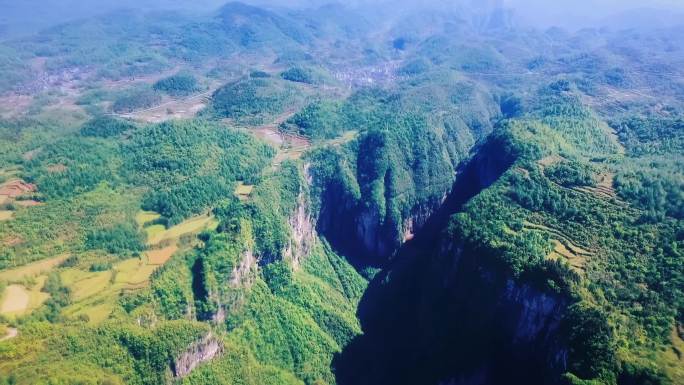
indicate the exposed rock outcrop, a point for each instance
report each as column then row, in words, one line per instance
column 359, row 232
column 302, row 232
column 242, row 275
column 200, row 351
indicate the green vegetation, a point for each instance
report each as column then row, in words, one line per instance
column 301, row 75
column 396, row 165
column 189, row 166
column 572, row 174
column 177, row 85
column 106, row 127
column 136, row 99
column 259, row 74
column 318, row 120
column 654, row 180
column 74, row 165
column 618, row 267
column 253, row 101
column 61, row 225
column 122, row 238
column 415, row 67
column 292, row 320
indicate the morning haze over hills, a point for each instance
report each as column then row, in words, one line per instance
column 29, row 16
column 314, row 193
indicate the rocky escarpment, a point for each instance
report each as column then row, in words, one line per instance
column 222, row 277
column 368, row 220
column 502, row 330
column 302, row 230
column 382, row 240
column 380, row 192
column 201, row 351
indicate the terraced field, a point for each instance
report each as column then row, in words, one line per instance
column 604, row 188
column 184, row 108
column 95, row 294
column 564, row 247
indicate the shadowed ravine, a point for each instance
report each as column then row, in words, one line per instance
column 436, row 314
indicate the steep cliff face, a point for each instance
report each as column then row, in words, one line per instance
column 384, row 188
column 514, row 335
column 450, row 319
column 201, row 351
column 382, row 240
column 243, row 274
column 367, row 216
column 302, row 231
column 500, row 329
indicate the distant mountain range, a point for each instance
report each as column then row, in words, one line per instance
column 29, row 16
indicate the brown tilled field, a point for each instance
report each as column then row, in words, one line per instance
column 15, row 188
column 161, row 256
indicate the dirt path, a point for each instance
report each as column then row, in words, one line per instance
column 11, row 333
column 175, row 109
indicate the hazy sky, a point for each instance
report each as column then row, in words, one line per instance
column 22, row 16
column 581, row 13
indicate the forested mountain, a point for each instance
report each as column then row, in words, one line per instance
column 333, row 195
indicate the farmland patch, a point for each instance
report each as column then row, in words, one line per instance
column 32, row 269
column 161, row 256
column 190, row 226
column 18, row 300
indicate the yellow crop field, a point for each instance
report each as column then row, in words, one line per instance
column 192, row 225
column 243, row 191
column 31, row 270
column 93, row 284
column 161, row 256
column 154, row 232
column 95, row 293
column 97, row 313
column 6, row 215
column 133, row 273
column 70, row 276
